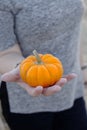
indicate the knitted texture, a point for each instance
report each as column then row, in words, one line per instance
column 49, row 26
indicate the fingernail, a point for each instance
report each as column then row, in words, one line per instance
column 64, row 80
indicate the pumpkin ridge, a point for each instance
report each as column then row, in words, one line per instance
column 48, row 72
column 45, row 69
column 46, row 56
column 60, row 66
column 55, row 67
column 27, row 72
column 50, row 60
column 23, row 78
column 37, row 74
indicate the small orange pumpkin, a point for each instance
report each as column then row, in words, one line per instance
column 41, row 69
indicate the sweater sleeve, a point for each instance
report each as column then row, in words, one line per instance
column 7, row 35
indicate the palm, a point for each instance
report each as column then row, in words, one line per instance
column 14, row 76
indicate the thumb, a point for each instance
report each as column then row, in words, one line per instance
column 11, row 76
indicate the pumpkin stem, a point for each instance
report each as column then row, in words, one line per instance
column 37, row 57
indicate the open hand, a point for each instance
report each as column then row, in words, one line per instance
column 14, row 76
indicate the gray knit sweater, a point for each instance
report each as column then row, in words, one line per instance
column 49, row 26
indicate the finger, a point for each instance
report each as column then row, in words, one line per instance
column 11, row 76
column 70, row 76
column 51, row 90
column 62, row 82
column 32, row 91
column 38, row 91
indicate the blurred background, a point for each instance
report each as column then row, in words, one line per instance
column 3, row 125
column 84, row 39
column 84, row 48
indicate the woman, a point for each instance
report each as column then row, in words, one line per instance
column 26, row 25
